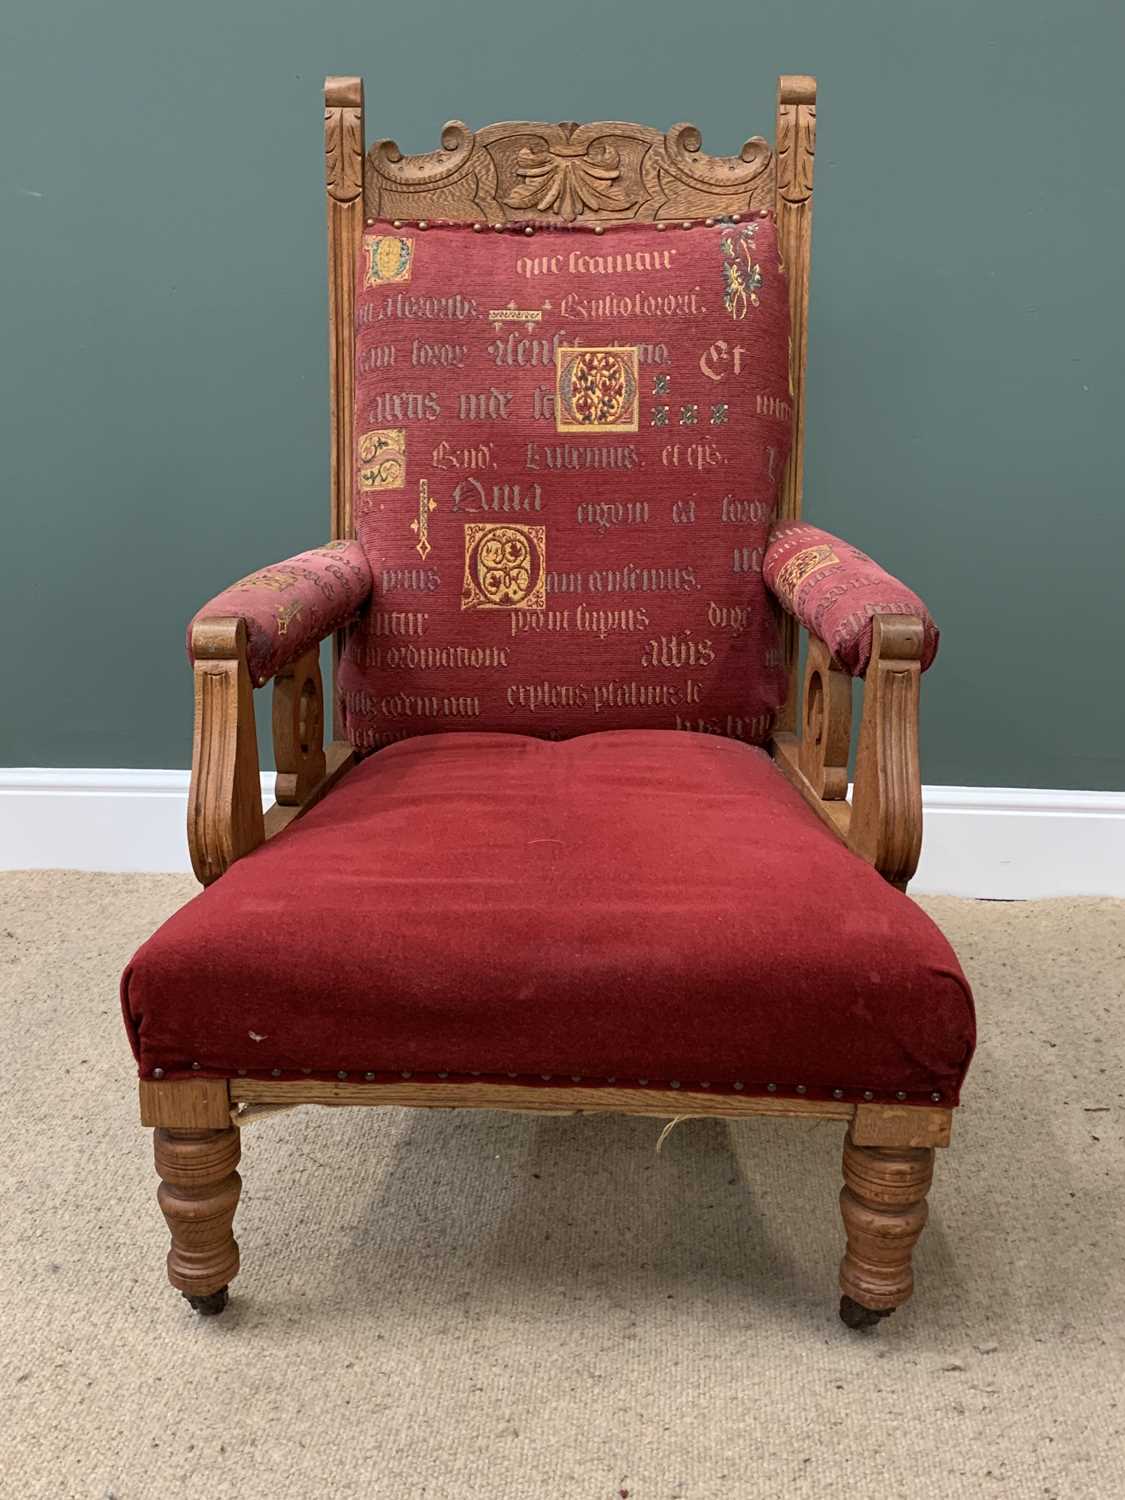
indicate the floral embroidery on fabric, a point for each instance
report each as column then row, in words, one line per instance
column 596, row 390
column 660, row 416
column 505, row 567
column 390, row 257
column 718, row 414
column 382, row 457
column 742, row 275
column 801, row 565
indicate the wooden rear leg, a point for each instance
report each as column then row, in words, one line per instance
column 198, row 1195
column 883, row 1202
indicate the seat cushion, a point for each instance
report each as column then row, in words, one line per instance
column 568, row 448
column 647, row 906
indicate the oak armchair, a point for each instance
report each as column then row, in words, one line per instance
column 606, row 909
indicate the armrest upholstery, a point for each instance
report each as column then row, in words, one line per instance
column 835, row 591
column 290, row 607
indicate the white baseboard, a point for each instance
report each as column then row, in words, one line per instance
column 71, row 819
column 1003, row 843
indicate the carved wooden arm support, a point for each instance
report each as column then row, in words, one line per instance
column 886, row 820
column 225, row 818
column 883, row 824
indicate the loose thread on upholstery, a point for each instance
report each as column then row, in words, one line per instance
column 668, row 1129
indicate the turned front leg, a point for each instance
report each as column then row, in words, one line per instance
column 198, row 1195
column 883, row 1202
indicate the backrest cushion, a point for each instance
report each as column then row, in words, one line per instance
column 568, row 450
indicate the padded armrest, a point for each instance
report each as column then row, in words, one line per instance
column 834, row 590
column 291, row 606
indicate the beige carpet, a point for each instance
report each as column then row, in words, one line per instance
column 458, row 1305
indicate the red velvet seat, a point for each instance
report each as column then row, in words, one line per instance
column 638, row 905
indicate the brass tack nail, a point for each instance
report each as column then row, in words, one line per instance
column 242, row 1072
column 936, row 1096
column 408, row 1075
column 611, row 1080
column 306, row 1071
column 675, row 1083
column 474, row 1075
column 423, row 223
column 763, row 213
column 642, row 1081
column 687, row 224
column 734, row 218
column 599, row 228
column 370, row 1077
column 276, row 1073
column 867, row 1094
column 513, row 1075
column 497, row 227
column 662, row 226
column 195, row 1067
column 158, row 1072
column 837, row 1093
column 771, row 1088
column 477, row 228
column 341, row 1074
column 708, row 221
column 397, row 223
column 576, row 1078
column 900, row 1095
column 369, row 221
column 529, row 229
column 801, row 1089
column 546, row 1077
column 705, row 1085
column 739, row 1086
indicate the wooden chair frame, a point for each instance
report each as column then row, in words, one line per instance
column 663, row 178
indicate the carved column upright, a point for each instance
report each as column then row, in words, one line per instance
column 343, row 171
column 796, row 156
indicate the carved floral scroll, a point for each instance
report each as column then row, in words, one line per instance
column 607, row 170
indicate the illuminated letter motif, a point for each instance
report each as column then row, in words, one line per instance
column 596, row 390
column 421, row 526
column 382, row 459
column 742, row 276
column 505, row 567
column 794, row 572
column 388, row 257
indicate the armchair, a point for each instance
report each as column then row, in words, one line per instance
column 591, row 865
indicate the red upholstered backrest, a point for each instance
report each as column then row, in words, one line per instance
column 569, row 444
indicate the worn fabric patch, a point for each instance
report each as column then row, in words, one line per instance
column 569, row 447
column 834, row 589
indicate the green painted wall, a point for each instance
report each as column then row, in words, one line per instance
column 163, row 357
